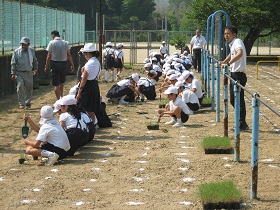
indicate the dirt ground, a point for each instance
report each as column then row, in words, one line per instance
column 129, row 167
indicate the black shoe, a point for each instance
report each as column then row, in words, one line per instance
column 142, row 99
column 242, row 129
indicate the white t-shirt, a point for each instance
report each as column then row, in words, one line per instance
column 145, row 81
column 124, row 82
column 187, row 61
column 153, row 71
column 55, row 135
column 163, row 49
column 119, row 53
column 189, row 97
column 195, row 84
column 86, row 118
column 108, row 50
column 198, row 42
column 71, row 122
column 180, row 103
column 58, row 48
column 189, row 57
column 157, row 68
column 240, row 65
column 93, row 68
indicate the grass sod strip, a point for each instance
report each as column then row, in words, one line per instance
column 224, row 191
column 207, row 101
column 210, row 142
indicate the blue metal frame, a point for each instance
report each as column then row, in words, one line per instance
column 236, row 122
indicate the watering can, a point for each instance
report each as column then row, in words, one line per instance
column 25, row 130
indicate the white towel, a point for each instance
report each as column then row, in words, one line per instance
column 29, row 53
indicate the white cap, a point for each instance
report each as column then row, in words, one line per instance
column 150, row 51
column 120, row 45
column 46, row 111
column 176, row 53
column 173, row 77
column 68, row 100
column 108, row 44
column 192, row 74
column 151, row 54
column 165, row 55
column 147, row 65
column 183, row 56
column 169, row 60
column 154, row 59
column 179, row 84
column 163, row 42
column 25, row 40
column 178, row 65
column 170, row 90
column 184, row 76
column 185, row 52
column 135, row 77
column 147, row 60
column 73, row 90
column 89, row 47
column 175, row 56
column 56, row 106
column 170, row 72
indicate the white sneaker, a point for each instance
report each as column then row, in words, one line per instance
column 52, row 160
column 118, row 76
column 123, row 102
column 178, row 124
column 172, row 122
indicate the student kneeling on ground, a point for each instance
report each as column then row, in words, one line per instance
column 188, row 97
column 70, row 119
column 51, row 134
column 147, row 88
column 177, row 108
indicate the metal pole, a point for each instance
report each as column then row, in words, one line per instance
column 212, row 63
column 46, row 26
column 225, row 71
column 96, row 30
column 34, row 23
column 255, row 146
column 205, row 70
column 100, row 33
column 202, row 63
column 131, row 51
column 115, row 38
column 3, row 24
column 208, row 75
column 104, row 24
column 270, row 44
column 166, row 28
column 236, row 122
column 218, row 94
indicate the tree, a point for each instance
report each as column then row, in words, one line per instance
column 133, row 19
column 156, row 16
column 178, row 40
column 256, row 15
column 173, row 21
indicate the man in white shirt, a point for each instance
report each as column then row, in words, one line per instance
column 197, row 43
column 236, row 61
column 163, row 49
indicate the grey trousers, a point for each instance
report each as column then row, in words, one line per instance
column 24, row 88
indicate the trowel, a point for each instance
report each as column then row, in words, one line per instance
column 25, row 130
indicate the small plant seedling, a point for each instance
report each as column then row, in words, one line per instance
column 152, row 123
column 22, row 155
column 216, row 142
column 207, row 101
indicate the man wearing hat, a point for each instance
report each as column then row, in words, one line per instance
column 197, row 43
column 163, row 49
column 22, row 63
column 58, row 52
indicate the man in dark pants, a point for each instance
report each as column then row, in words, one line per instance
column 197, row 43
column 58, row 52
column 237, row 62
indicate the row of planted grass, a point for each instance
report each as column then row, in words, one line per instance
column 210, row 142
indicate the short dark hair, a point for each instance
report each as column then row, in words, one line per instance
column 55, row 33
column 95, row 54
column 232, row 28
column 191, row 76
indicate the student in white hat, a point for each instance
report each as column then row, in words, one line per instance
column 52, row 141
column 188, row 97
column 124, row 92
column 156, row 66
column 152, row 74
column 188, row 56
column 119, row 59
column 163, row 49
column 195, row 87
column 177, row 109
column 171, row 80
column 147, row 60
column 109, row 59
column 185, row 62
column 146, row 87
column 88, row 95
column 71, row 121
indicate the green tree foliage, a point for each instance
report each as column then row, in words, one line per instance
column 133, row 19
column 156, row 16
column 173, row 21
column 255, row 15
column 178, row 40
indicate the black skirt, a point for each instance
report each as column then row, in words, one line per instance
column 117, row 91
column 109, row 61
column 90, row 100
column 91, row 129
column 118, row 63
column 155, row 78
column 149, row 92
column 103, row 119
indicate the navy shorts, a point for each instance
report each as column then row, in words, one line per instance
column 58, row 72
column 184, row 117
column 49, row 147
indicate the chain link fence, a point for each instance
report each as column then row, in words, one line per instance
column 20, row 19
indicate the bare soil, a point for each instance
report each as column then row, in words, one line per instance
column 129, row 167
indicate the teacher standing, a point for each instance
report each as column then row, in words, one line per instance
column 88, row 96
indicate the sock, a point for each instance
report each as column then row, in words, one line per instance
column 46, row 153
column 113, row 74
column 106, row 75
column 141, row 96
column 174, row 119
column 179, row 120
column 123, row 97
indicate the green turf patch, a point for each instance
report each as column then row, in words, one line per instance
column 217, row 142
